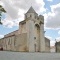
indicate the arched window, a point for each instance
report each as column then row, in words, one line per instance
column 30, row 15
column 35, row 17
column 25, row 16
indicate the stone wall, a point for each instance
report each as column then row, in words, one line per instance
column 21, row 42
column 8, row 43
column 15, row 42
column 47, row 45
column 57, row 46
column 22, row 27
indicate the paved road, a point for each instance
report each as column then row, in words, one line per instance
column 4, row 55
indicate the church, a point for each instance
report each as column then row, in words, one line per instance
column 29, row 37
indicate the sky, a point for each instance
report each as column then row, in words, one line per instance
column 16, row 9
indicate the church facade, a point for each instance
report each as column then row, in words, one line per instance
column 29, row 37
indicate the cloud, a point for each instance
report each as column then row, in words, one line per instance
column 17, row 8
column 10, row 9
column 9, row 23
column 26, row 4
column 1, row 36
column 53, row 17
column 13, row 6
column 50, row 38
column 1, row 3
column 50, row 0
column 58, row 32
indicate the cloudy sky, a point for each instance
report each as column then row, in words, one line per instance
column 16, row 9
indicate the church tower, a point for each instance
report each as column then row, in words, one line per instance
column 35, row 31
column 31, row 13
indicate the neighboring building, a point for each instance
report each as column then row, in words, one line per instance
column 52, row 49
column 57, row 46
column 29, row 37
column 47, row 45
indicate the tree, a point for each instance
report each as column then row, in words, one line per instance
column 1, row 10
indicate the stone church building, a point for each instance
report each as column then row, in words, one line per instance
column 29, row 37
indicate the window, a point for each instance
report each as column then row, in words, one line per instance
column 34, row 21
column 9, row 41
column 26, row 16
column 30, row 15
column 34, row 37
column 35, row 17
column 14, row 42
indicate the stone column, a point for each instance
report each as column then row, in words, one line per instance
column 30, row 36
column 42, row 38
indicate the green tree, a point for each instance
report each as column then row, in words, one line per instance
column 1, row 10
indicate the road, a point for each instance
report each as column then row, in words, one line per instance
column 4, row 55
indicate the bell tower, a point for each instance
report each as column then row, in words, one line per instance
column 31, row 13
column 35, row 31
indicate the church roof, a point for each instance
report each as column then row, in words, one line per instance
column 31, row 10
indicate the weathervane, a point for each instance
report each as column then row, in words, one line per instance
column 1, row 10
